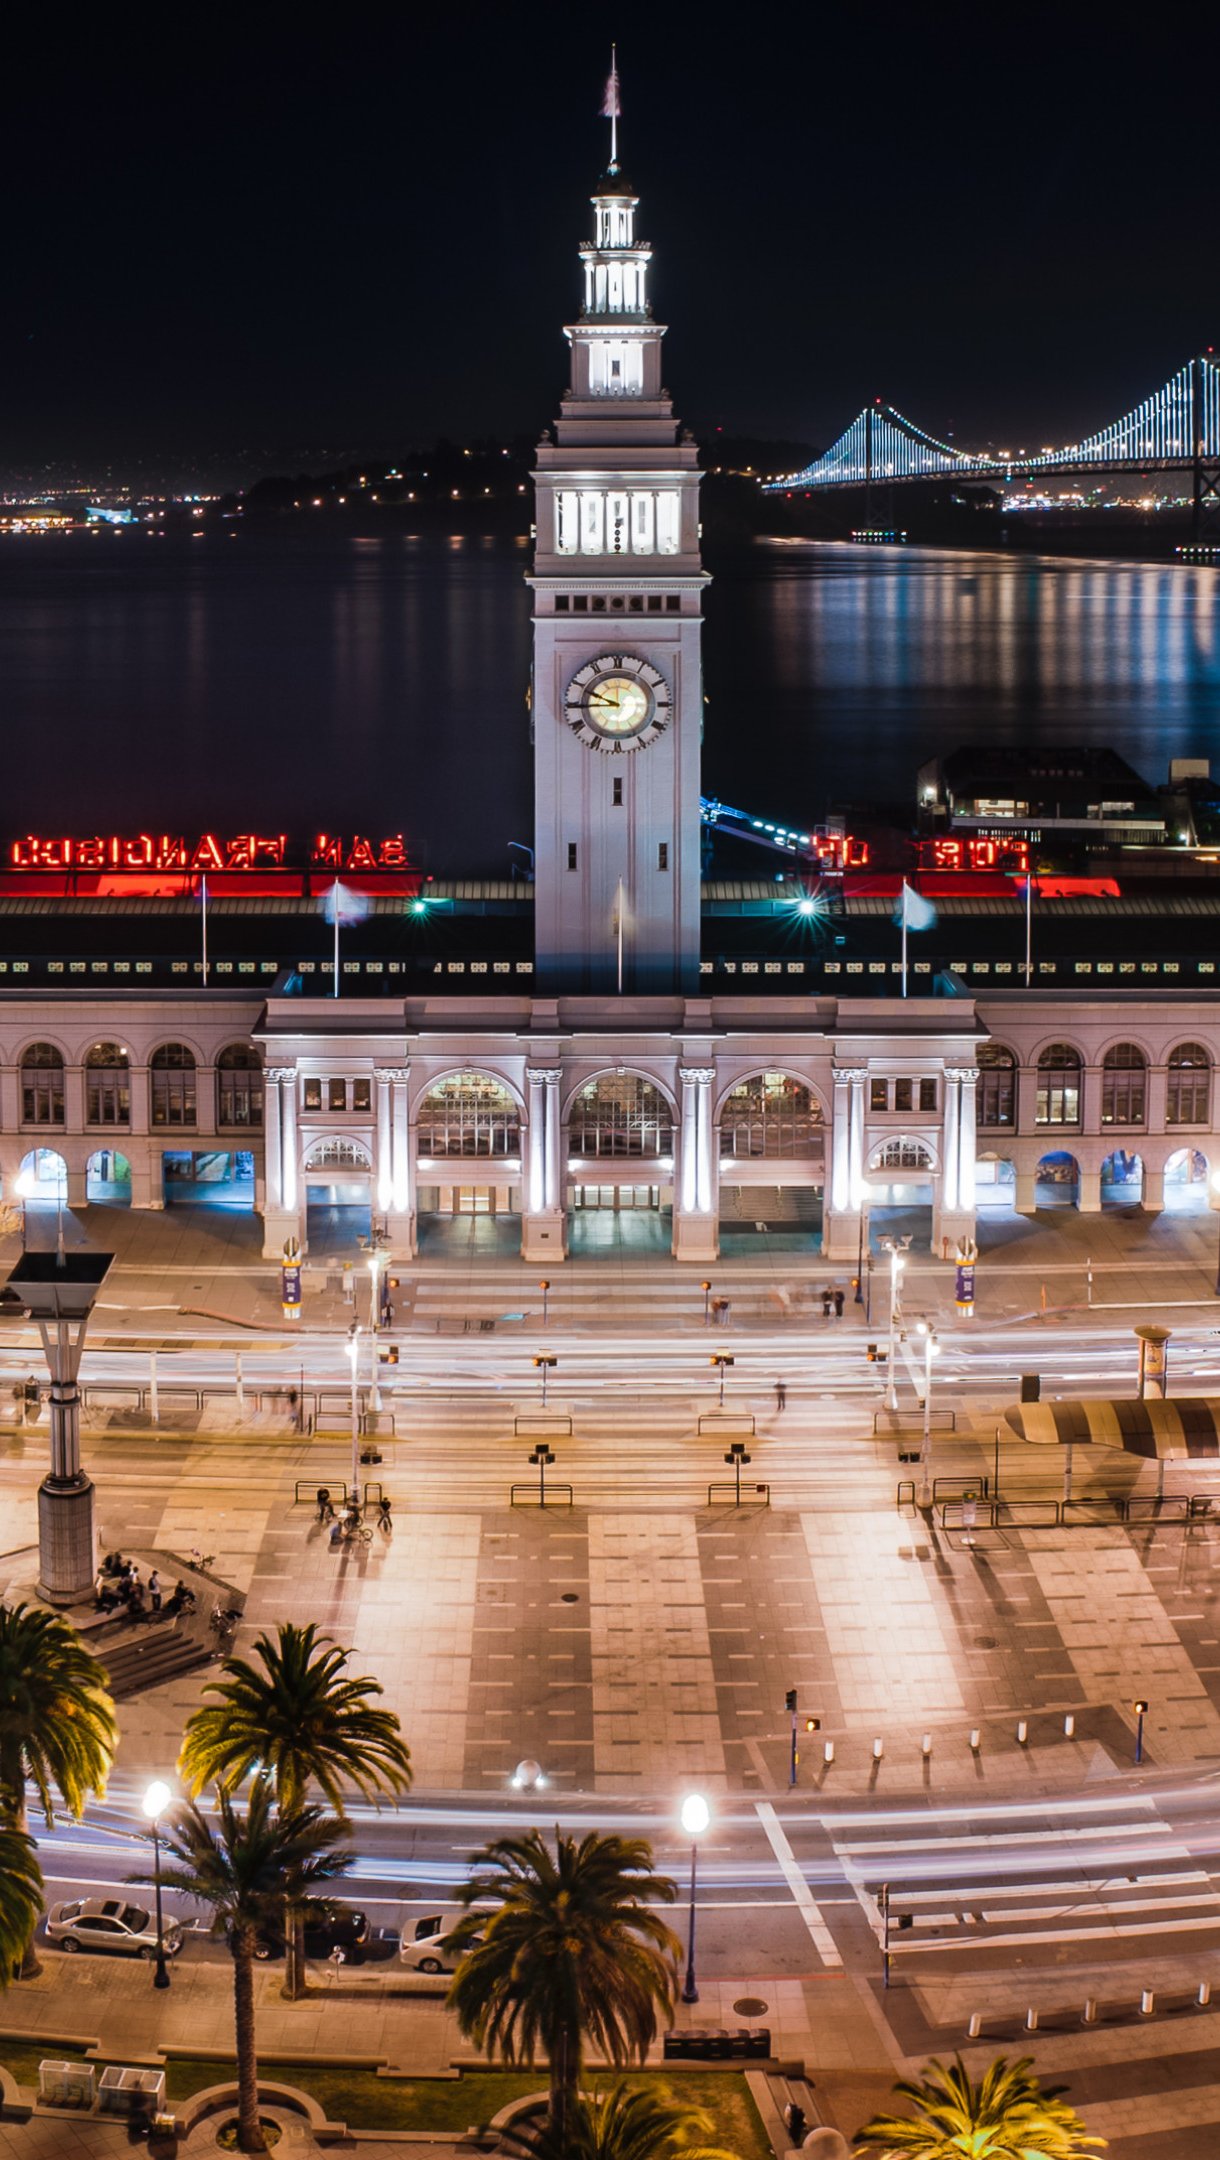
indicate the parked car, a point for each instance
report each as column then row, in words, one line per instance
column 345, row 1929
column 109, row 1924
column 425, row 1947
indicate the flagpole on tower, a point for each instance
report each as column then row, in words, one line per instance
column 338, row 912
column 611, row 106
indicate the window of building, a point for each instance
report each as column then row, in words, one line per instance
column 239, row 1087
column 362, row 1094
column 1124, row 1075
column 996, row 1100
column 42, row 1085
column 902, row 1094
column 1058, row 1097
column 663, row 855
column 903, row 1155
column 635, row 521
column 1189, row 1086
column 927, row 1094
column 469, row 1114
column 617, row 796
column 336, row 1094
column 311, row 1094
column 172, row 1077
column 621, row 1114
column 107, row 1085
column 878, row 1094
column 770, row 1115
column 571, row 854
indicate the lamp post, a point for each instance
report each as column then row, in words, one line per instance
column 896, row 1248
column 544, row 1363
column 353, row 1351
column 721, row 1362
column 1141, row 1712
column 931, row 1349
column 696, row 1815
column 156, row 1800
column 545, row 1287
column 376, row 1262
column 542, row 1458
column 707, row 1302
column 58, row 1290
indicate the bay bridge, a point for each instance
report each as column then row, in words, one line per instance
column 1177, row 429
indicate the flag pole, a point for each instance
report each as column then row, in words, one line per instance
column 1029, row 928
column 904, row 937
column 335, row 904
column 613, row 107
column 205, row 929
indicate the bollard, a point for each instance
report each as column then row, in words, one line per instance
column 828, row 1751
column 878, row 1750
column 975, row 2027
column 1031, row 2020
column 1090, row 2010
column 1069, row 1726
column 1022, row 1732
column 926, row 1743
column 1147, row 2003
column 976, row 1739
column 1204, row 1995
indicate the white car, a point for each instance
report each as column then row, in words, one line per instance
column 425, row 1947
column 109, row 1924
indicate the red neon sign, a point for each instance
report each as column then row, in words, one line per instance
column 972, row 852
column 208, row 852
column 838, row 851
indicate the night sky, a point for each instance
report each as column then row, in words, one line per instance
column 248, row 237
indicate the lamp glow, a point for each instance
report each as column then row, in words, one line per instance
column 696, row 1814
column 157, row 1799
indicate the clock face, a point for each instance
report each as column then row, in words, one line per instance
column 618, row 702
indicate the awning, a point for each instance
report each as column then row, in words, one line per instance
column 1189, row 1426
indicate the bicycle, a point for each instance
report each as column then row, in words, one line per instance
column 201, row 1560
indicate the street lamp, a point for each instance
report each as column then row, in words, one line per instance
column 931, row 1349
column 156, row 1800
column 545, row 1363
column 545, row 1287
column 696, row 1815
column 352, row 1347
column 376, row 1263
column 707, row 1301
column 896, row 1248
column 721, row 1362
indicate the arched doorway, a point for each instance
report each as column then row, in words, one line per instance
column 108, row 1179
column 1057, row 1180
column 468, row 1157
column 1187, row 1182
column 772, row 1155
column 900, row 1191
column 1122, row 1179
column 42, row 1180
column 338, row 1179
column 621, row 1138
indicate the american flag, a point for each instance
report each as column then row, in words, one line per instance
column 611, row 107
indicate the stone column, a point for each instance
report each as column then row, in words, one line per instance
column 78, row 1181
column 967, row 1141
column 1090, row 1190
column 382, row 1167
column 954, row 1214
column 283, row 1215
column 695, row 1233
column 543, row 1218
column 1154, row 1189
column 948, row 1170
column 394, row 1158
column 841, row 1218
column 1025, row 1196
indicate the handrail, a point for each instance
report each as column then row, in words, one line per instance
column 742, row 1498
column 532, row 1490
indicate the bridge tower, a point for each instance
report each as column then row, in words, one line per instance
column 617, row 692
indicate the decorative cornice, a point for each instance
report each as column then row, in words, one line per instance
column 700, row 1075
column 543, row 1075
column 856, row 1073
column 280, row 1072
column 391, row 1072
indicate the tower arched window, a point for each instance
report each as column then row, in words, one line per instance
column 621, row 1115
column 1188, row 1090
column 1058, row 1097
column 172, row 1097
column 770, row 1114
column 239, row 1088
column 1124, row 1085
column 42, row 1085
column 107, row 1085
column 996, row 1097
column 469, row 1114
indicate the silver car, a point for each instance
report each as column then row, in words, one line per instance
column 426, row 1948
column 109, row 1924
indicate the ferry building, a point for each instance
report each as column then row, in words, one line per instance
column 620, row 1046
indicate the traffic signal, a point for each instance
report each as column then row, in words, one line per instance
column 790, row 1700
column 388, row 1353
column 813, row 1724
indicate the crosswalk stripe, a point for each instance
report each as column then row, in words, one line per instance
column 803, row 1897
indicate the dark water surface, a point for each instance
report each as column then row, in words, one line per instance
column 286, row 680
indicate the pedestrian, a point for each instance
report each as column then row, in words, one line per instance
column 294, row 1407
column 383, row 1514
column 154, row 1591
column 828, row 1298
column 336, row 1532
column 781, row 1395
column 794, row 2123
column 326, row 1511
column 839, row 1297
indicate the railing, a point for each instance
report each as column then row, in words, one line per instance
column 939, row 1421
column 534, row 1499
column 748, row 1496
column 1050, row 1511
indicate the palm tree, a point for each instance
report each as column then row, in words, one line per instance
column 57, row 1722
column 249, row 1870
column 296, row 1717
column 570, row 1951
column 1008, row 2115
column 622, row 2125
column 20, row 1898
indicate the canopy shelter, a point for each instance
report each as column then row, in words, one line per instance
column 1157, row 1430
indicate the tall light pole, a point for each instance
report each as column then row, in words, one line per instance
column 545, row 1363
column 896, row 1248
column 696, row 1815
column 58, row 1290
column 156, row 1800
column 353, row 1352
column 931, row 1349
column 376, row 1261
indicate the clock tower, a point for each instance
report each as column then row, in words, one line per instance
column 617, row 698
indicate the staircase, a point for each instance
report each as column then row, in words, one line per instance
column 141, row 1655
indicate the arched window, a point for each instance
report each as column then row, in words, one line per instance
column 996, row 1099
column 770, row 1115
column 1189, row 1088
column 1058, row 1098
column 42, row 1085
column 172, row 1073
column 618, row 1115
column 337, row 1155
column 1124, row 1085
column 902, row 1155
column 469, row 1114
column 107, row 1085
column 239, row 1087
